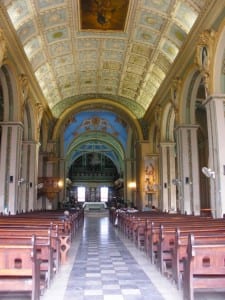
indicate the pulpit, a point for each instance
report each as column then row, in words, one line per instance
column 49, row 186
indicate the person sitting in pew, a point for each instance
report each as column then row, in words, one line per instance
column 146, row 208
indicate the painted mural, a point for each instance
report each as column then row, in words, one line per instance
column 151, row 174
column 103, row 14
column 96, row 122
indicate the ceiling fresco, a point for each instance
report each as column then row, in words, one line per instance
column 103, row 14
column 115, row 49
column 95, row 123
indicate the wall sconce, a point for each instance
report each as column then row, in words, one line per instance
column 176, row 181
column 40, row 185
column 21, row 181
column 60, row 184
column 132, row 185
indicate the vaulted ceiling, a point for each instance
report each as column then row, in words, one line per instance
column 116, row 49
column 119, row 50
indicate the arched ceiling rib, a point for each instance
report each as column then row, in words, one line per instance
column 104, row 144
column 117, row 48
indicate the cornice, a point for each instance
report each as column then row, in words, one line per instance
column 187, row 55
column 16, row 54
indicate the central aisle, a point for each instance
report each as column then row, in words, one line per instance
column 104, row 269
column 104, row 265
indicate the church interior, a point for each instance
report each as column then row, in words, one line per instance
column 112, row 110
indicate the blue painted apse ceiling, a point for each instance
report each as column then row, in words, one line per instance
column 95, row 122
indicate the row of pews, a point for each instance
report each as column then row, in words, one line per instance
column 33, row 246
column 189, row 250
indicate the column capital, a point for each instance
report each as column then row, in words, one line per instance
column 215, row 97
column 36, row 143
column 142, row 142
column 167, row 144
column 12, row 123
column 187, row 126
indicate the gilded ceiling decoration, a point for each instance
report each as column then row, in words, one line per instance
column 117, row 48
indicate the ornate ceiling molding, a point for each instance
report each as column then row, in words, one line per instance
column 131, row 62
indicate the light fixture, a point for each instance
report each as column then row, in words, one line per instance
column 208, row 172
column 21, row 181
column 40, row 185
column 132, row 185
column 176, row 181
column 60, row 184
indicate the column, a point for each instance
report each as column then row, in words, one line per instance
column 188, row 169
column 168, row 175
column 62, row 174
column 129, row 174
column 10, row 161
column 216, row 129
column 29, row 170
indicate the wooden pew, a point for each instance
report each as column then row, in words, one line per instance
column 53, row 235
column 167, row 239
column 204, row 265
column 179, row 252
column 20, row 269
column 64, row 233
column 40, row 232
column 157, row 243
column 45, row 247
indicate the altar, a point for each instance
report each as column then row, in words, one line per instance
column 94, row 206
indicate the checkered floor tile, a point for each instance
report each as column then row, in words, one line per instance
column 105, row 270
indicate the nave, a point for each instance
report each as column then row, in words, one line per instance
column 105, row 266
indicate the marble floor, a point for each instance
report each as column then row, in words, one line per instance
column 104, row 265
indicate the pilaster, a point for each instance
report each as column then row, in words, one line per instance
column 29, row 170
column 216, row 129
column 168, row 201
column 10, row 161
column 188, row 169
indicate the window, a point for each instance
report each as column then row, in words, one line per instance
column 81, row 194
column 104, row 194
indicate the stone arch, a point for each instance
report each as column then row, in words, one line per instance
column 219, row 62
column 10, row 94
column 103, row 104
column 44, row 134
column 168, row 123
column 5, row 98
column 29, row 122
column 193, row 117
column 188, row 97
column 111, row 142
column 134, row 131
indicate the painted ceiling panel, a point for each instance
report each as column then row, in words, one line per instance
column 90, row 42
column 54, row 18
column 46, row 4
column 151, row 20
column 38, row 59
column 26, row 31
column 160, row 5
column 96, row 121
